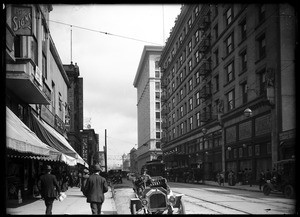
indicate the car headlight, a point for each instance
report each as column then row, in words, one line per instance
column 144, row 202
column 172, row 199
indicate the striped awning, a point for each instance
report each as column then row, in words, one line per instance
column 57, row 141
column 20, row 138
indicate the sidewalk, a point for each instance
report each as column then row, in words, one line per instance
column 74, row 204
column 236, row 186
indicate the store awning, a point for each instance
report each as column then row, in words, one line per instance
column 56, row 140
column 20, row 138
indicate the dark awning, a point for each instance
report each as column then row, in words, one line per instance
column 20, row 138
column 54, row 139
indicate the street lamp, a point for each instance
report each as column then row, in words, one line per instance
column 248, row 112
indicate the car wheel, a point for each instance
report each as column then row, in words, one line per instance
column 266, row 190
column 288, row 191
column 133, row 208
column 181, row 209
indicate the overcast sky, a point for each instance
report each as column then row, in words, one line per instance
column 108, row 62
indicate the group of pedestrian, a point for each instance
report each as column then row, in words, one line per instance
column 268, row 175
column 93, row 187
column 245, row 177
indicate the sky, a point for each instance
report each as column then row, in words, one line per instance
column 108, row 62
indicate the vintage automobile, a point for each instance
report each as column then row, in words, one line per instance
column 154, row 196
column 284, row 182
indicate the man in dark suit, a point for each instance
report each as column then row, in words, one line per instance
column 94, row 190
column 48, row 183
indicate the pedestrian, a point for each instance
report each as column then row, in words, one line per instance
column 250, row 177
column 261, row 179
column 240, row 177
column 230, row 178
column 49, row 188
column 222, row 178
column 94, row 190
column 245, row 176
column 84, row 178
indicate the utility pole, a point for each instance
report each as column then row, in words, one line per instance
column 105, row 153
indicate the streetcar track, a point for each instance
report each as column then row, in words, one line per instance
column 249, row 198
column 221, row 205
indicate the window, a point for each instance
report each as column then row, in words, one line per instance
column 173, row 102
column 191, row 84
column 229, row 16
column 157, row 115
column 230, row 100
column 181, row 111
column 216, row 54
column 180, row 60
column 198, row 119
column 243, row 57
column 229, row 72
column 244, row 92
column 190, row 47
column 157, row 106
column 191, row 123
column 257, row 150
column 197, row 56
column 216, row 31
column 241, row 152
column 191, row 104
column 216, row 78
column 157, row 135
column 198, row 98
column 44, row 67
column 229, row 44
column 173, row 52
column 157, row 126
column 243, row 29
column 190, row 23
column 181, row 128
column 173, row 117
column 173, row 85
column 190, row 65
column 158, row 145
column 174, row 132
column 181, row 94
column 181, row 77
column 197, row 75
column 261, row 13
column 180, row 39
column 157, row 95
column 197, row 36
column 157, row 85
column 196, row 11
column 60, row 101
column 261, row 42
column 262, row 82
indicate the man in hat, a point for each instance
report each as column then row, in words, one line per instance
column 94, row 190
column 49, row 188
column 84, row 178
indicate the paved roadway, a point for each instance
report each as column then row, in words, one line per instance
column 210, row 198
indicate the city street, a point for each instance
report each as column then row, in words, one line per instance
column 213, row 199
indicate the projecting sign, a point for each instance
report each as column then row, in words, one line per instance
column 21, row 20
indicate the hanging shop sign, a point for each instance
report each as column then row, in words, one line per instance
column 21, row 20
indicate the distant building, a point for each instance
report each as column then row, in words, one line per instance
column 75, row 106
column 220, row 60
column 147, row 82
column 133, row 161
column 126, row 162
column 90, row 147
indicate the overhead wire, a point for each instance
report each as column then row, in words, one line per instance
column 102, row 32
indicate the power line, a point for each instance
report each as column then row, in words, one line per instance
column 106, row 33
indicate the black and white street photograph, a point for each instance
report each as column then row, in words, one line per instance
column 150, row 108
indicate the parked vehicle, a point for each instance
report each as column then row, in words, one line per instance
column 284, row 181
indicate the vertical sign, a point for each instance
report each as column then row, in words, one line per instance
column 21, row 20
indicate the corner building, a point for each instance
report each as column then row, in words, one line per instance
column 220, row 61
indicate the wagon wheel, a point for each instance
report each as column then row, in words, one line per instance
column 288, row 191
column 266, row 190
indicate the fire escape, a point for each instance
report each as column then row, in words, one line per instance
column 205, row 68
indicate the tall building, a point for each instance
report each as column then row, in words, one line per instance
column 36, row 101
column 228, row 83
column 147, row 82
column 75, row 106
